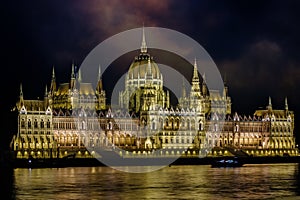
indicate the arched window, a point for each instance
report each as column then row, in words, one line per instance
column 23, row 123
column 167, row 122
column 192, row 124
column 200, row 125
column 215, row 127
column 188, row 124
column 236, row 128
column 29, row 123
column 172, row 123
column 153, row 125
column 42, row 123
column 161, row 123
column 182, row 123
column 110, row 126
column 48, row 123
column 35, row 123
column 177, row 122
column 83, row 125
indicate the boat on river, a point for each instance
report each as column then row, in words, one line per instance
column 227, row 162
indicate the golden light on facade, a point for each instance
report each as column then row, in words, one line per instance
column 267, row 132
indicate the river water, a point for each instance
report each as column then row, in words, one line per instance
column 262, row 181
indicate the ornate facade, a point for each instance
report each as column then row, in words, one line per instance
column 74, row 116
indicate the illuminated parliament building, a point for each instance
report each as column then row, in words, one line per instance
column 74, row 115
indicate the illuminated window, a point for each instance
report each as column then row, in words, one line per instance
column 236, row 128
column 48, row 123
column 35, row 124
column 215, row 127
column 200, row 125
column 153, row 126
column 23, row 123
column 42, row 123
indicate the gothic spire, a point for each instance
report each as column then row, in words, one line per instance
column 73, row 71
column 53, row 73
column 21, row 98
column 225, row 92
column 73, row 77
column 204, row 78
column 195, row 89
column 225, row 79
column 46, row 91
column 144, row 46
column 270, row 104
column 21, row 90
column 195, row 74
column 99, row 73
column 183, row 88
column 286, row 104
column 79, row 76
column 99, row 87
column 204, row 88
column 53, row 82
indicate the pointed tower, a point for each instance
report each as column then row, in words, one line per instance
column 99, row 83
column 20, row 103
column 286, row 106
column 195, row 90
column 183, row 89
column 225, row 92
column 226, row 97
column 144, row 45
column 168, row 99
column 269, row 107
column 53, row 83
column 79, row 76
column 204, row 86
column 100, row 93
column 73, row 78
column 183, row 100
column 46, row 98
column 46, row 92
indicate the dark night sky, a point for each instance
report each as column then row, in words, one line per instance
column 254, row 42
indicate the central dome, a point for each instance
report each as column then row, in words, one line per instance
column 142, row 67
column 143, row 84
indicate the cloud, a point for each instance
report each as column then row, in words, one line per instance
column 110, row 17
column 263, row 69
column 259, row 65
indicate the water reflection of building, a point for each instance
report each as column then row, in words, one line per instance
column 75, row 115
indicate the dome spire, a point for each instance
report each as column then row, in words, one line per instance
column 144, row 46
column 149, row 70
